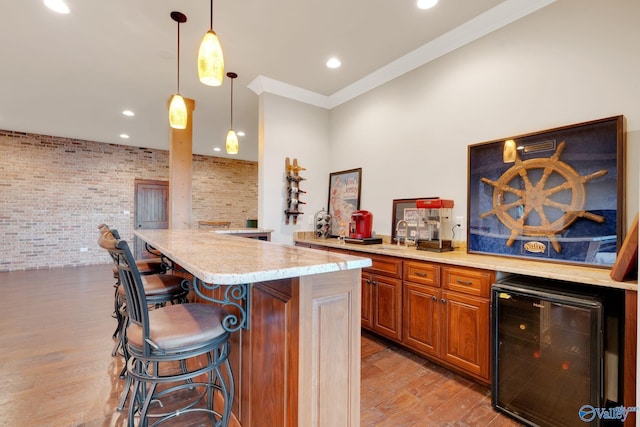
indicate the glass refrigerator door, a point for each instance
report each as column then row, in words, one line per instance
column 548, row 362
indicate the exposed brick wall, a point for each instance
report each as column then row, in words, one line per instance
column 55, row 191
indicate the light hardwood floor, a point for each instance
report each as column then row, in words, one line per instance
column 56, row 367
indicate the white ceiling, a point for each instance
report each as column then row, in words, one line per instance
column 72, row 75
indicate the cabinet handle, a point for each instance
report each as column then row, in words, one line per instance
column 433, row 297
column 443, row 301
column 373, row 282
column 464, row 282
column 420, row 274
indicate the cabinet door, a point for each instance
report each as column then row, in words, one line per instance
column 366, row 302
column 387, row 306
column 420, row 328
column 465, row 333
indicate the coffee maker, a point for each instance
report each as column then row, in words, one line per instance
column 361, row 224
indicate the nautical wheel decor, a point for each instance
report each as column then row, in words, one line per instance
column 558, row 197
column 293, row 190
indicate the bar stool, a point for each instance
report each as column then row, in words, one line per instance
column 160, row 287
column 159, row 338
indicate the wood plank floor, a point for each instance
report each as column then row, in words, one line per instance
column 56, row 367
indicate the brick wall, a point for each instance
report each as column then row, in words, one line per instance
column 55, row 191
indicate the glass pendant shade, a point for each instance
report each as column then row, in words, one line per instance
column 210, row 60
column 232, row 142
column 509, row 151
column 178, row 112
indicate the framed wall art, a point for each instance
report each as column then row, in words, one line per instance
column 556, row 195
column 344, row 198
column 405, row 209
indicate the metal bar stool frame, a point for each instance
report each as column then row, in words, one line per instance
column 150, row 347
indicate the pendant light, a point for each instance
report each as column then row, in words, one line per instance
column 177, row 107
column 232, row 138
column 210, row 57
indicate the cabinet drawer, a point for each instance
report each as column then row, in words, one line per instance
column 421, row 272
column 380, row 264
column 468, row 280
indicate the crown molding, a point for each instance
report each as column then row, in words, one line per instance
column 493, row 19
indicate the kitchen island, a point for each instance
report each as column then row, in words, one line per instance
column 297, row 362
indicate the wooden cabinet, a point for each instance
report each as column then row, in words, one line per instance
column 465, row 333
column 439, row 311
column 382, row 296
column 421, row 307
column 465, row 319
column 446, row 315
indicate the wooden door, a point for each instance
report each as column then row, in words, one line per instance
column 366, row 317
column 387, row 306
column 465, row 333
column 420, row 329
column 151, row 209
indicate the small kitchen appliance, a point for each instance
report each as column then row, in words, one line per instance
column 361, row 225
column 360, row 228
column 434, row 220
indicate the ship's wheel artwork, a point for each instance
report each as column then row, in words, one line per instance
column 555, row 195
column 541, row 197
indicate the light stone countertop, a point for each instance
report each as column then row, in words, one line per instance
column 227, row 259
column 549, row 270
column 240, row 230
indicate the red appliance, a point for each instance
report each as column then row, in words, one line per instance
column 361, row 225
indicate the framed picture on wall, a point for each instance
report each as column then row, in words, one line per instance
column 405, row 209
column 344, row 198
column 554, row 195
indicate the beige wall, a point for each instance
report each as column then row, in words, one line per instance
column 570, row 62
column 55, row 191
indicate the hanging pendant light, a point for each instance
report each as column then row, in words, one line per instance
column 210, row 57
column 177, row 107
column 232, row 138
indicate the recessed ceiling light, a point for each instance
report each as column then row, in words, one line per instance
column 240, row 133
column 427, row 4
column 216, row 148
column 128, row 113
column 124, row 136
column 333, row 63
column 57, row 6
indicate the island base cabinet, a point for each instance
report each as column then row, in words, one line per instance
column 301, row 354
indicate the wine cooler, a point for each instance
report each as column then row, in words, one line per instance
column 548, row 353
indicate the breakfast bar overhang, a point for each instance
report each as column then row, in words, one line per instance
column 297, row 362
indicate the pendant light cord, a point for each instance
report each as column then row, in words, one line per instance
column 211, row 16
column 179, row 57
column 232, row 103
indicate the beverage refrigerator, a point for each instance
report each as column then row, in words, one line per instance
column 548, row 353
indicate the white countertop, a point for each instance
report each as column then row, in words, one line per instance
column 240, row 230
column 227, row 259
column 550, row 270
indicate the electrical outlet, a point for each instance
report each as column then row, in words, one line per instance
column 84, row 249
